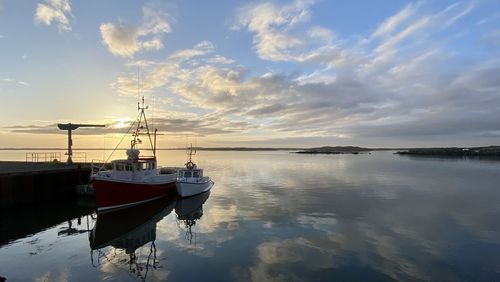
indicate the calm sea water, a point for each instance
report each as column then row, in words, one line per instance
column 277, row 216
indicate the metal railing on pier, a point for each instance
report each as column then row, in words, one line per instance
column 79, row 157
column 46, row 157
column 43, row 157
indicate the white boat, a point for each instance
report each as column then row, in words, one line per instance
column 190, row 180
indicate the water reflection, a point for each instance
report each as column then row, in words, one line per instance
column 131, row 233
column 189, row 210
column 18, row 223
column 282, row 217
column 71, row 230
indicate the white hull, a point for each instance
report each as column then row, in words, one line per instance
column 187, row 189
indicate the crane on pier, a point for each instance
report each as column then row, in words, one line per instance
column 70, row 127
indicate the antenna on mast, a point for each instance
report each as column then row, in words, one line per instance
column 138, row 88
column 153, row 114
column 190, row 153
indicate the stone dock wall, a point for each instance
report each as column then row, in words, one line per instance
column 28, row 187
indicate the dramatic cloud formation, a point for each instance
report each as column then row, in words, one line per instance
column 177, row 124
column 425, row 72
column 125, row 41
column 56, row 11
column 395, row 81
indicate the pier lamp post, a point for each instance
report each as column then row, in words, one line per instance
column 70, row 127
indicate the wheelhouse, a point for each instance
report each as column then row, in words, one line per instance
column 134, row 169
column 190, row 173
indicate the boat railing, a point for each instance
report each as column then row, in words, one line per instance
column 97, row 166
column 169, row 170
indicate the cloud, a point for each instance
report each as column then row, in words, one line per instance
column 402, row 79
column 456, row 11
column 126, row 40
column 393, row 22
column 270, row 23
column 120, row 39
column 54, row 11
column 10, row 80
column 176, row 124
column 218, row 59
column 321, row 33
column 159, row 74
column 278, row 35
column 199, row 49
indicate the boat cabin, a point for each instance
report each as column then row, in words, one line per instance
column 136, row 169
column 188, row 174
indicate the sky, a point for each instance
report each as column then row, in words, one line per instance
column 299, row 73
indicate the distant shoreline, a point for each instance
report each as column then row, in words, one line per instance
column 335, row 150
column 435, row 151
column 159, row 149
column 489, row 151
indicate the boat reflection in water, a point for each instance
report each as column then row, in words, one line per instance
column 189, row 210
column 129, row 229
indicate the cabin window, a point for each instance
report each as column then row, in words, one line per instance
column 196, row 174
column 145, row 166
column 128, row 167
column 121, row 167
column 187, row 174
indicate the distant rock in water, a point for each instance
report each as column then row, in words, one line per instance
column 454, row 151
column 334, row 150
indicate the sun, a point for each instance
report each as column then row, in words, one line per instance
column 121, row 123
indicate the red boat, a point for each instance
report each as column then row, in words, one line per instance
column 136, row 179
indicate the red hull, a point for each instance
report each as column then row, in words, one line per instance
column 112, row 195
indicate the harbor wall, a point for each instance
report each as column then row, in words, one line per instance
column 31, row 187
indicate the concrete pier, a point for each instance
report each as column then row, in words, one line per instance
column 23, row 184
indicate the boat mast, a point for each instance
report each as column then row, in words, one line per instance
column 189, row 152
column 142, row 116
column 154, row 149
